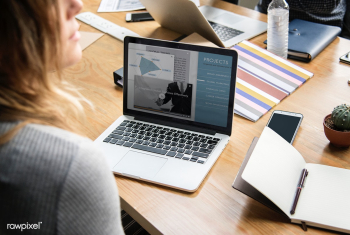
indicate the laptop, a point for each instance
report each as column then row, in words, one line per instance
column 221, row 27
column 177, row 112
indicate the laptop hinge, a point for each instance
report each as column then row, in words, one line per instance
column 176, row 125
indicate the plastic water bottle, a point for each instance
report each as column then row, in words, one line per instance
column 277, row 28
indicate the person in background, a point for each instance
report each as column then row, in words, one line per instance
column 324, row 12
column 52, row 181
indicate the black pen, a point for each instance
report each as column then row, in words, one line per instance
column 304, row 173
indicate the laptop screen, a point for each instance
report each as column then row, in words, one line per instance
column 189, row 84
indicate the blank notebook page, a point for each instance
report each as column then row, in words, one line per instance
column 274, row 169
column 325, row 198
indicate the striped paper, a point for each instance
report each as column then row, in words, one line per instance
column 263, row 80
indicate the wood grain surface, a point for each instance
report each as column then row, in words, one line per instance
column 215, row 208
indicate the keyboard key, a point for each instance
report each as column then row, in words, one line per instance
column 200, row 161
column 180, row 150
column 168, row 138
column 159, row 145
column 107, row 139
column 198, row 154
column 141, row 132
column 149, row 149
column 216, row 139
column 175, row 139
column 135, row 131
column 171, row 154
column 160, row 141
column 196, row 144
column 113, row 141
column 182, row 141
column 123, row 124
column 153, row 139
column 148, row 134
column 139, row 141
column 129, row 125
column 203, row 141
column 179, row 155
column 212, row 142
column 155, row 135
column 211, row 146
column 204, row 150
column 182, row 136
column 167, row 142
column 126, row 138
column 146, row 142
column 185, row 158
column 133, row 122
column 173, row 143
column 187, row 146
column 128, row 129
column 146, row 138
column 173, row 148
column 189, row 137
column 181, row 145
column 193, row 160
column 152, row 144
column 187, row 151
column 166, row 147
column 120, row 142
column 127, row 144
column 195, row 139
column 161, row 136
column 133, row 135
column 118, row 132
column 204, row 145
column 142, row 128
column 161, row 132
column 189, row 142
column 120, row 128
column 126, row 134
column 140, row 137
column 119, row 137
column 195, row 148
column 132, row 140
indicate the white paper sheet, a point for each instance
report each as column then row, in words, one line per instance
column 119, row 5
column 124, row 5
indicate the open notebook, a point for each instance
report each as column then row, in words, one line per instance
column 274, row 169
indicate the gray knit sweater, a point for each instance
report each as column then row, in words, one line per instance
column 55, row 182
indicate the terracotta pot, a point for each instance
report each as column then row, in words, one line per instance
column 337, row 138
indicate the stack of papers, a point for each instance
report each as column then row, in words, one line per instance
column 263, row 80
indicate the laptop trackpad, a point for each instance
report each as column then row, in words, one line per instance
column 140, row 165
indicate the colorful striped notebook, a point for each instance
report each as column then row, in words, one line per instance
column 263, row 80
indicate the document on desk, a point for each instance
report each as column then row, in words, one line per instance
column 263, row 80
column 124, row 5
column 274, row 169
column 119, row 5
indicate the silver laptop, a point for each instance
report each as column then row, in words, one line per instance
column 221, row 27
column 178, row 109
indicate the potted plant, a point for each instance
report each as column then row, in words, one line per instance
column 337, row 126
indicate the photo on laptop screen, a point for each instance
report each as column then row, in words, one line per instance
column 185, row 84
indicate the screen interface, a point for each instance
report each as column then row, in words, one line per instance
column 179, row 83
column 284, row 125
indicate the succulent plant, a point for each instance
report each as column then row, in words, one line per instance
column 341, row 117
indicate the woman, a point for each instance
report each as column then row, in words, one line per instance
column 51, row 180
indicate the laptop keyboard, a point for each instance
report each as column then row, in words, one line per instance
column 225, row 33
column 163, row 140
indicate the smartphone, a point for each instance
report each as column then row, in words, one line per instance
column 286, row 124
column 139, row 16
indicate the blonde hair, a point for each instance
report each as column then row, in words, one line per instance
column 29, row 50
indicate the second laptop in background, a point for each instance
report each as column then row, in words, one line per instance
column 221, row 27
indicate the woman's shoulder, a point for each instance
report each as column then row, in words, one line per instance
column 44, row 148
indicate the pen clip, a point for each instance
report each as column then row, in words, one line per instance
column 303, row 226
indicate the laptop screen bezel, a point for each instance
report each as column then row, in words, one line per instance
column 182, row 46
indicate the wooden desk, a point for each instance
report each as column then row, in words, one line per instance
column 215, row 208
